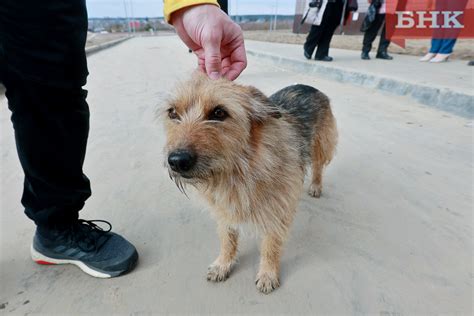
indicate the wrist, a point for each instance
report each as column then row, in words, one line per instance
column 174, row 9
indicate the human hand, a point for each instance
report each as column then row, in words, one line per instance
column 217, row 41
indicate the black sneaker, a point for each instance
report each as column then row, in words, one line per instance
column 365, row 56
column 99, row 253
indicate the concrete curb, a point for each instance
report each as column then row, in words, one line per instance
column 442, row 98
column 96, row 48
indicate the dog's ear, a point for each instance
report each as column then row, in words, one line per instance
column 261, row 107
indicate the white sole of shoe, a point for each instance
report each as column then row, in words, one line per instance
column 44, row 260
column 438, row 61
column 427, row 58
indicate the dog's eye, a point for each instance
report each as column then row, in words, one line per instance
column 218, row 114
column 172, row 114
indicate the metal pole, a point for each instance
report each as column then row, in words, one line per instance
column 236, row 10
column 276, row 14
column 271, row 23
column 132, row 16
column 126, row 16
column 341, row 23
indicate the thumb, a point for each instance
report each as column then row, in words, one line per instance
column 212, row 58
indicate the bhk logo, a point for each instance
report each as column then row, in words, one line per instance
column 429, row 19
column 417, row 19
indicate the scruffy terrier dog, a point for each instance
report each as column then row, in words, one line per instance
column 247, row 154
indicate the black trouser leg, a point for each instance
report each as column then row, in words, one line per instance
column 384, row 42
column 224, row 5
column 325, row 42
column 313, row 38
column 330, row 22
column 43, row 66
column 51, row 129
column 372, row 32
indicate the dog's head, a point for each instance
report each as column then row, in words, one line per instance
column 209, row 126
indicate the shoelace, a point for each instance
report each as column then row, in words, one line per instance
column 89, row 236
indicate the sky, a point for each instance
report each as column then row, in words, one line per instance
column 154, row 8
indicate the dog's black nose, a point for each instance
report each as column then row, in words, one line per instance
column 181, row 161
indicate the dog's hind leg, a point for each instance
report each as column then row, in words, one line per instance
column 316, row 182
column 324, row 147
column 220, row 269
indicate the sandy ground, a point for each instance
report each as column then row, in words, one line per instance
column 391, row 235
column 464, row 49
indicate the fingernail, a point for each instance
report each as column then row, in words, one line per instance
column 214, row 75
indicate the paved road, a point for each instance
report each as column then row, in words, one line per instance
column 391, row 235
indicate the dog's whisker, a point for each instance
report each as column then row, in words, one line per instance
column 176, row 181
column 183, row 190
column 179, row 184
column 182, row 187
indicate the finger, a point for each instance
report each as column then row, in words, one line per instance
column 201, row 66
column 225, row 66
column 212, row 56
column 200, row 60
column 234, row 71
column 238, row 62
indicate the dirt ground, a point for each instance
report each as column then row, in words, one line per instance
column 464, row 49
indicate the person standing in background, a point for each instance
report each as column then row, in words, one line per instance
column 325, row 19
column 443, row 41
column 440, row 50
column 372, row 32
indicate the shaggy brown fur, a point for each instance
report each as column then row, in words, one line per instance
column 247, row 154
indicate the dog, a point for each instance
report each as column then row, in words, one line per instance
column 248, row 154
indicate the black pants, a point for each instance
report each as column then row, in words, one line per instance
column 43, row 67
column 321, row 35
column 224, row 5
column 371, row 34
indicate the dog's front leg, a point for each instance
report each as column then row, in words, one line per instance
column 268, row 274
column 220, row 269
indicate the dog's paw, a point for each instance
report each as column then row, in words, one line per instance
column 218, row 273
column 267, row 282
column 315, row 190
